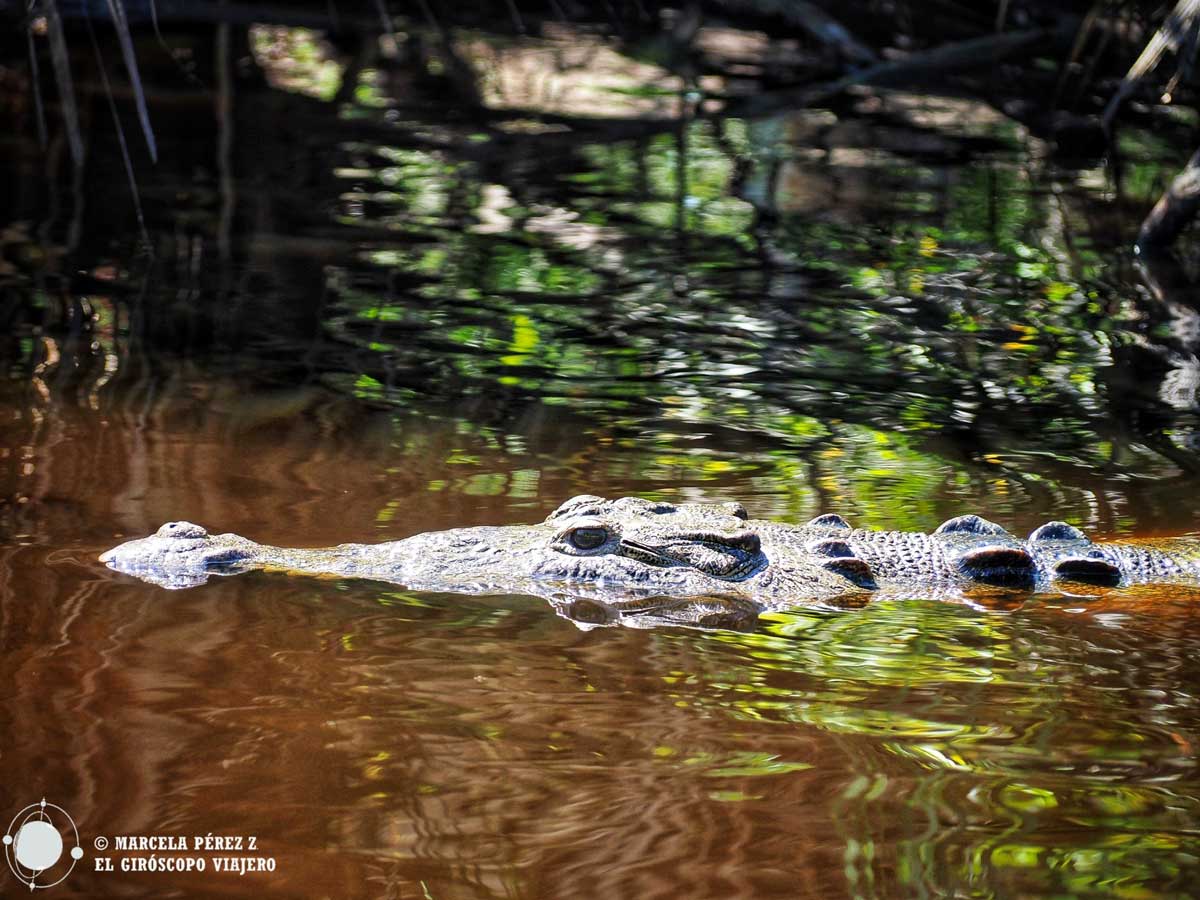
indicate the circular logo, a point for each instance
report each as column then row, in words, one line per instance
column 33, row 845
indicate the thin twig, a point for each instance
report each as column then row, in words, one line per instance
column 162, row 42
column 1177, row 32
column 36, row 77
column 112, row 106
column 117, row 10
column 62, row 77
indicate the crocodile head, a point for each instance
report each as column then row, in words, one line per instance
column 708, row 538
column 633, row 550
column 627, row 548
column 630, row 548
column 181, row 555
column 619, row 549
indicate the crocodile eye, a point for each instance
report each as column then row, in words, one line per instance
column 587, row 537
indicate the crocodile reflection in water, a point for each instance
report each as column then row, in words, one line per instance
column 597, row 558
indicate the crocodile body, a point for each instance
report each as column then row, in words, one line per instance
column 962, row 551
column 621, row 552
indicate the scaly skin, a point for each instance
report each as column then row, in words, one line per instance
column 620, row 560
column 624, row 551
column 963, row 551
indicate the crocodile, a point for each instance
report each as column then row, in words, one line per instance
column 618, row 554
column 962, row 551
column 696, row 551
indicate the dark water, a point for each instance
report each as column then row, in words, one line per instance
column 403, row 317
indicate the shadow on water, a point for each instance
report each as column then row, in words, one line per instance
column 459, row 276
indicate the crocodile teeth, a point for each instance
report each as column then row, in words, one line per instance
column 852, row 569
column 969, row 525
column 1058, row 531
column 998, row 565
column 1088, row 570
column 829, row 520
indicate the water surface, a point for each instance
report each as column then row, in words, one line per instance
column 380, row 316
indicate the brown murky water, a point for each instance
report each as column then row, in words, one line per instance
column 383, row 743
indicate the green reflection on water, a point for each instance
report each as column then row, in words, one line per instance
column 1023, row 764
column 631, row 284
